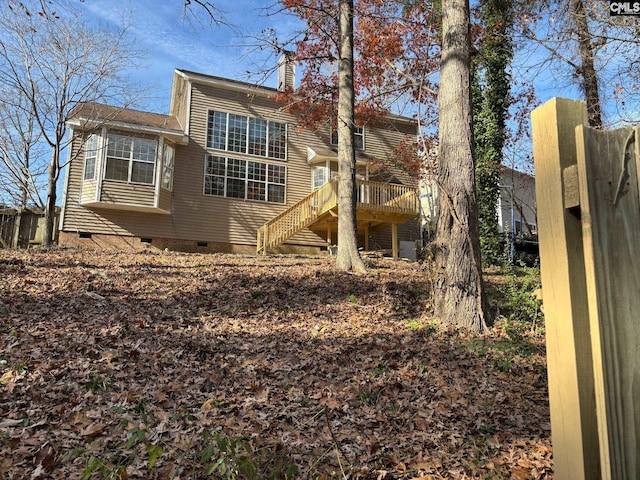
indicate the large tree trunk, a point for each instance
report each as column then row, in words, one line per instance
column 587, row 68
column 348, row 257
column 459, row 298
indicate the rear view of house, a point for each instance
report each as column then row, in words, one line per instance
column 226, row 171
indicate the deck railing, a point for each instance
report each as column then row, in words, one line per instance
column 297, row 217
column 387, row 197
column 379, row 196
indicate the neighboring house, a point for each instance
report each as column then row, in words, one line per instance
column 517, row 204
column 226, row 171
column 516, row 208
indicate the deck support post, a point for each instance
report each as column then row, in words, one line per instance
column 394, row 240
column 265, row 239
column 328, row 235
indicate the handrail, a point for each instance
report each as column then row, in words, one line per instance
column 389, row 197
column 297, row 217
column 386, row 197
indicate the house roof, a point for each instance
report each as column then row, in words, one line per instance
column 318, row 154
column 231, row 83
column 92, row 114
column 254, row 89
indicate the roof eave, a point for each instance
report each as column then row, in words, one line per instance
column 173, row 135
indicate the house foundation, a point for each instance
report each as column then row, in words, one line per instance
column 96, row 241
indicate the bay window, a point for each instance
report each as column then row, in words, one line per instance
column 130, row 159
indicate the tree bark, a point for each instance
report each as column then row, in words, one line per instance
column 348, row 257
column 459, row 297
column 50, row 206
column 587, row 67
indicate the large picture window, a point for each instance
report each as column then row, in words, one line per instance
column 130, row 159
column 245, row 179
column 242, row 134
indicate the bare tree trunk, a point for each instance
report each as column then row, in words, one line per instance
column 459, row 298
column 50, row 206
column 587, row 68
column 348, row 257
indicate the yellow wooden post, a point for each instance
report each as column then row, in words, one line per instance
column 394, row 241
column 570, row 371
column 259, row 241
column 265, row 239
column 608, row 180
column 328, row 234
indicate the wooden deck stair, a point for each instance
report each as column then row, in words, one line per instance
column 298, row 217
column 391, row 203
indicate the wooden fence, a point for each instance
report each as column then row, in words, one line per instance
column 23, row 228
column 588, row 199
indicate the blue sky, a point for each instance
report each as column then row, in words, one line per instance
column 173, row 39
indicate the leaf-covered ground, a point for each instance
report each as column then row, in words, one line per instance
column 164, row 365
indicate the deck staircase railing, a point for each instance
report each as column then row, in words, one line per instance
column 376, row 196
column 298, row 217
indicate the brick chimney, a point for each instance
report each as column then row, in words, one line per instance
column 286, row 72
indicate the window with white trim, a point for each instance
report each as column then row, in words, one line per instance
column 167, row 167
column 130, row 159
column 243, row 134
column 358, row 137
column 91, row 156
column 319, row 177
column 244, row 179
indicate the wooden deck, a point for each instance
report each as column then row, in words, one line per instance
column 378, row 205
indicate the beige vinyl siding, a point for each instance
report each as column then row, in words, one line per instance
column 231, row 220
column 164, row 199
column 77, row 218
column 195, row 216
column 72, row 208
column 127, row 193
column 88, row 191
column 381, row 141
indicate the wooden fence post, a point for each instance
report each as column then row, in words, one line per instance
column 569, row 360
column 609, row 184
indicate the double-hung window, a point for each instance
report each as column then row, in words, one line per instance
column 244, row 179
column 130, row 159
column 320, row 177
column 358, row 137
column 167, row 167
column 91, row 157
column 244, row 134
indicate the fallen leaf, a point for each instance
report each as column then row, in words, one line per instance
column 92, row 430
column 7, row 377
